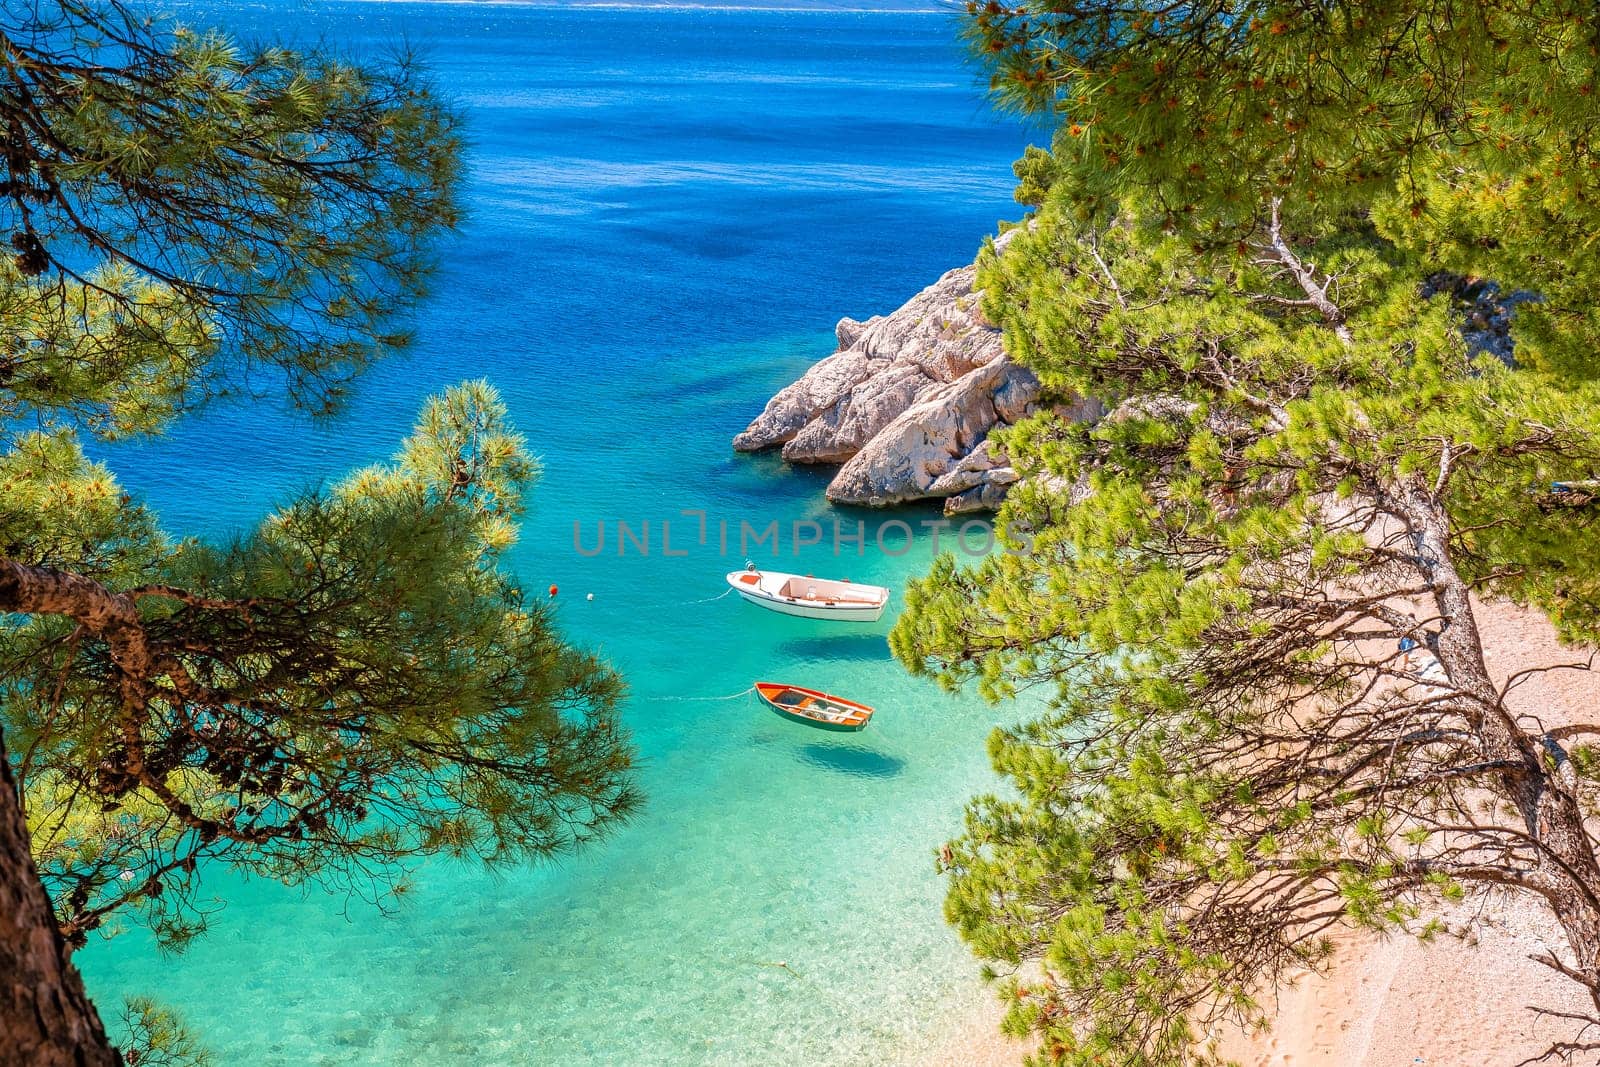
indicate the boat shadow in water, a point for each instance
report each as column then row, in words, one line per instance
column 837, row 646
column 857, row 762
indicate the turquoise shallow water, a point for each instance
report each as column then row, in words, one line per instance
column 669, row 209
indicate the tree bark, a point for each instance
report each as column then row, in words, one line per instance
column 46, row 1019
column 1567, row 873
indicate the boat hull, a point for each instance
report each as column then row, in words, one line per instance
column 808, row 597
column 800, row 609
column 814, row 708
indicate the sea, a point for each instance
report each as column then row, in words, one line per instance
column 668, row 210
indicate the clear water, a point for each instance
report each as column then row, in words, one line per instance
column 669, row 210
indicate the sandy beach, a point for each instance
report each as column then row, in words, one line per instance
column 1461, row 1000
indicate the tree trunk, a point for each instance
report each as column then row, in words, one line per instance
column 46, row 1019
column 1567, row 870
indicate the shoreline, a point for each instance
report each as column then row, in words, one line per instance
column 1396, row 1001
column 973, row 1040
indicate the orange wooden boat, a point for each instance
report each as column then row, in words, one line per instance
column 812, row 707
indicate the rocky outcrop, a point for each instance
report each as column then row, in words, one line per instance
column 930, row 439
column 907, row 404
column 796, row 405
column 979, row 482
column 844, row 428
column 883, row 366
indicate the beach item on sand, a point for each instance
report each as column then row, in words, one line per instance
column 810, row 597
column 812, row 707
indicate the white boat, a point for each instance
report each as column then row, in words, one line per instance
column 809, row 597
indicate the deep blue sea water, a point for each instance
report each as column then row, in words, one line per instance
column 668, row 211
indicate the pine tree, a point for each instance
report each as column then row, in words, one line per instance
column 1252, row 586
column 354, row 683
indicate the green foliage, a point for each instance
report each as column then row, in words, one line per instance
column 356, row 682
column 1036, row 172
column 116, row 352
column 1188, row 612
column 1461, row 130
column 184, row 210
column 156, row 1037
column 1217, row 106
column 352, row 684
column 1304, row 462
column 59, row 510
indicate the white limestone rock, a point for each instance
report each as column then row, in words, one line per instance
column 908, row 401
column 907, row 458
column 798, row 403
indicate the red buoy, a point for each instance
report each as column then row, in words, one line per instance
column 552, row 590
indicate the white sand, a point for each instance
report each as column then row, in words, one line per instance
column 974, row 1042
column 1460, row 1001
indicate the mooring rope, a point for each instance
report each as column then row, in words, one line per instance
column 709, row 599
column 730, row 696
